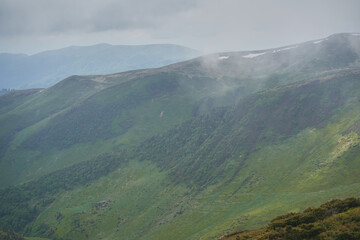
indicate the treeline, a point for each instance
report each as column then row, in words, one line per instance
column 337, row 219
column 20, row 205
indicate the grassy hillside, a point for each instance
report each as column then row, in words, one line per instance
column 121, row 114
column 337, row 219
column 82, row 117
column 211, row 174
column 181, row 152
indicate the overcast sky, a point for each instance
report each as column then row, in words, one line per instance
column 30, row 26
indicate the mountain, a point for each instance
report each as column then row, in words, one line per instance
column 191, row 150
column 337, row 219
column 20, row 71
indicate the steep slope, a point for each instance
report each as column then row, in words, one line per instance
column 78, row 126
column 277, row 152
column 84, row 116
column 187, row 151
column 238, row 166
column 19, row 71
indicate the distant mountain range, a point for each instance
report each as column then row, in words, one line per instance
column 20, row 71
column 192, row 150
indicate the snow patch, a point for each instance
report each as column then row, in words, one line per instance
column 356, row 34
column 252, row 55
column 223, row 57
column 319, row 41
column 284, row 49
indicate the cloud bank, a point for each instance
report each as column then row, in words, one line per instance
column 208, row 25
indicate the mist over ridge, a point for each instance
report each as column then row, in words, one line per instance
column 179, row 119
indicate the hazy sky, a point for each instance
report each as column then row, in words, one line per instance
column 31, row 26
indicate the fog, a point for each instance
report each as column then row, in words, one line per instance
column 206, row 25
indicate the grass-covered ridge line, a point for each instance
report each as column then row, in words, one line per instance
column 337, row 219
column 93, row 119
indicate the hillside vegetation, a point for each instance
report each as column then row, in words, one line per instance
column 47, row 129
column 10, row 236
column 337, row 219
column 193, row 150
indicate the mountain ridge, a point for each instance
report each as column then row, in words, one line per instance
column 46, row 68
column 192, row 150
column 201, row 84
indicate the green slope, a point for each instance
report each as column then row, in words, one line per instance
column 82, row 117
column 210, row 175
column 191, row 151
column 111, row 118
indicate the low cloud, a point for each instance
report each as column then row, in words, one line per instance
column 49, row 16
column 208, row 25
